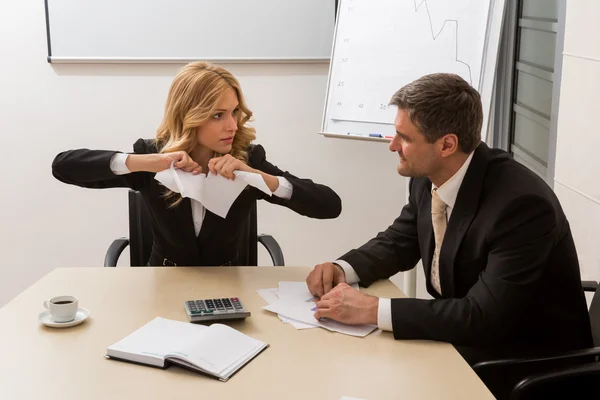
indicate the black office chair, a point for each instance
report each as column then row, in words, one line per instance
column 140, row 238
column 575, row 374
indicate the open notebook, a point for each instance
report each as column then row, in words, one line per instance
column 216, row 350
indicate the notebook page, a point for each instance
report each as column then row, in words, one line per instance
column 155, row 340
column 227, row 372
column 220, row 348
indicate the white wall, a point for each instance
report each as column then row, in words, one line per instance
column 45, row 109
column 577, row 162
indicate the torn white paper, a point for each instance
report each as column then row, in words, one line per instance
column 215, row 192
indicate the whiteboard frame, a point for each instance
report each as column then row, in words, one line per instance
column 354, row 137
column 177, row 60
column 182, row 60
column 487, row 84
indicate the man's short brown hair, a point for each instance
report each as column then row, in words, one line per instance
column 439, row 104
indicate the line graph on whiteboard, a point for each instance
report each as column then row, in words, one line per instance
column 383, row 45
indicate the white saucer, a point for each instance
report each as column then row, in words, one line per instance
column 46, row 319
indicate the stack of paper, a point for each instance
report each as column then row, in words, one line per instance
column 296, row 305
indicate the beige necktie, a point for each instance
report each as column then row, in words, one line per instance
column 438, row 220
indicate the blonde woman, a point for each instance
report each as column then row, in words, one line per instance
column 204, row 130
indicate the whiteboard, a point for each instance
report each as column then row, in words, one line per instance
column 381, row 45
column 185, row 30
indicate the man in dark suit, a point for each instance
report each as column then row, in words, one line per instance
column 496, row 247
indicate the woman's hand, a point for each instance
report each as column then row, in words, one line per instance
column 182, row 160
column 225, row 166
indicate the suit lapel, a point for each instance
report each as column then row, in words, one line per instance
column 465, row 208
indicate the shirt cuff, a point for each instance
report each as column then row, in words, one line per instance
column 285, row 188
column 384, row 315
column 351, row 275
column 117, row 164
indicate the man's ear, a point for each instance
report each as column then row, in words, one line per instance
column 449, row 144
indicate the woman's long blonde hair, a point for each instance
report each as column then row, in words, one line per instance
column 192, row 101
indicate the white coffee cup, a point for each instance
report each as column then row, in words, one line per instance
column 62, row 308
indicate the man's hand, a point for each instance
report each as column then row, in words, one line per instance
column 324, row 277
column 348, row 305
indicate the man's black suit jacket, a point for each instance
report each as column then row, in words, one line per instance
column 221, row 241
column 508, row 267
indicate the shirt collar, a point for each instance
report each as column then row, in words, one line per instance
column 448, row 191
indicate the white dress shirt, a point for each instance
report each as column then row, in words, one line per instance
column 447, row 192
column 118, row 166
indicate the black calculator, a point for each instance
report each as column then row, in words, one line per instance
column 215, row 309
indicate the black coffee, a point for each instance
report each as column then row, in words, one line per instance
column 62, row 302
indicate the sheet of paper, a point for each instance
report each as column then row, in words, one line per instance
column 298, row 291
column 220, row 193
column 254, row 180
column 295, row 291
column 270, row 295
column 304, row 312
column 214, row 192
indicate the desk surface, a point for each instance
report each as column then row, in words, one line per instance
column 39, row 362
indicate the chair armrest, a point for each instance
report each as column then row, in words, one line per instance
column 114, row 251
column 583, row 354
column 589, row 286
column 501, row 375
column 561, row 383
column 273, row 248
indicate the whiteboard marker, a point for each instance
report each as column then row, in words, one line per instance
column 357, row 134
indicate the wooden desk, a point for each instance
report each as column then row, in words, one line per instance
column 37, row 362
